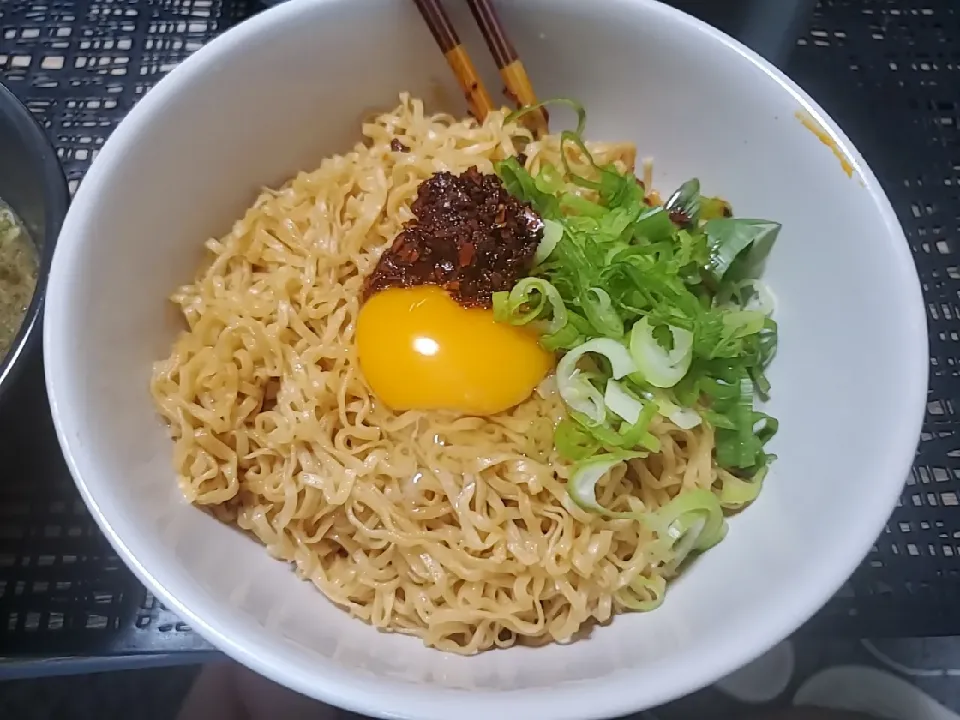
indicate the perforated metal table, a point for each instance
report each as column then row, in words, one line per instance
column 888, row 70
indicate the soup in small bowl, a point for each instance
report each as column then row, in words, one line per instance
column 33, row 202
column 18, row 275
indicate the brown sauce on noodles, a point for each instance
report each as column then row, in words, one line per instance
column 470, row 237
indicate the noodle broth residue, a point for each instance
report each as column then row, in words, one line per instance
column 455, row 529
column 18, row 276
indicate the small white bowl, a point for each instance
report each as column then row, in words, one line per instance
column 288, row 87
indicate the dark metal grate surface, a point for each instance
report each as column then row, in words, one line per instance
column 888, row 70
column 889, row 73
column 79, row 65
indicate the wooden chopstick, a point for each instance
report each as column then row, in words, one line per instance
column 517, row 83
column 478, row 99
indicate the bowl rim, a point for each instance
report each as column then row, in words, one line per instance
column 55, row 209
column 613, row 695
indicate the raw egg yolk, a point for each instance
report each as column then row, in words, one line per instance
column 420, row 350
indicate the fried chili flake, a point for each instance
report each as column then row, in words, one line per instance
column 470, row 237
column 679, row 217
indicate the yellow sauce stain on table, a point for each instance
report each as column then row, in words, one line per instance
column 823, row 136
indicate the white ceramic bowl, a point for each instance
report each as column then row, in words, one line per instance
column 288, row 87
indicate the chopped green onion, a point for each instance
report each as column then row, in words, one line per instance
column 569, row 102
column 547, row 387
column 737, row 447
column 578, row 392
column 575, row 387
column 684, row 332
column 565, row 338
column 729, row 237
column 686, row 533
column 582, row 486
column 656, row 365
column 643, row 594
column 576, row 139
column 581, row 206
column 654, row 225
column 573, row 442
column 683, row 418
column 522, row 186
column 530, row 300
column 552, row 232
column 628, row 436
column 548, row 180
column 676, row 514
column 741, row 323
column 763, row 299
column 753, row 295
column 691, row 522
column 621, row 403
column 600, row 312
column 735, row 493
column 765, row 302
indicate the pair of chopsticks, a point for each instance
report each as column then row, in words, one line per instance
column 517, row 84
